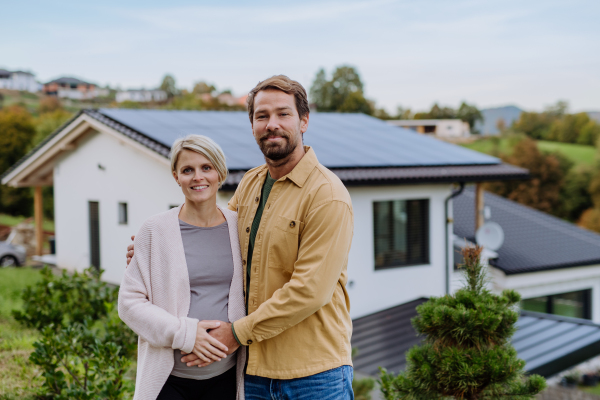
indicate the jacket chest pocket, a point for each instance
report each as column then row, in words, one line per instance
column 284, row 240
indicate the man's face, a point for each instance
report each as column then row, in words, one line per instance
column 276, row 125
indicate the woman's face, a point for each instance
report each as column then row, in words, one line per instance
column 197, row 176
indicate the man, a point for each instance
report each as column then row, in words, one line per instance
column 295, row 227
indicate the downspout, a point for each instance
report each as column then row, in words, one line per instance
column 448, row 222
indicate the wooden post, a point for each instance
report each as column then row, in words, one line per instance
column 39, row 220
column 479, row 204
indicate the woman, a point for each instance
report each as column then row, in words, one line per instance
column 185, row 277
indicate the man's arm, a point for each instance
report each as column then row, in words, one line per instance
column 322, row 254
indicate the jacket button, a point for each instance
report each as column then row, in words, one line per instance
column 249, row 341
column 243, row 262
column 247, row 229
column 256, row 199
column 292, row 224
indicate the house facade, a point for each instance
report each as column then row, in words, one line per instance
column 141, row 95
column 18, row 80
column 443, row 128
column 71, row 88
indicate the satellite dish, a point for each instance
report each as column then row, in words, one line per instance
column 490, row 236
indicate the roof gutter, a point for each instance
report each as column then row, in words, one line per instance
column 448, row 222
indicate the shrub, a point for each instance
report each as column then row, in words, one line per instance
column 466, row 353
column 85, row 348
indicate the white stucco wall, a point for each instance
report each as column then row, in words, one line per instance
column 129, row 176
column 371, row 290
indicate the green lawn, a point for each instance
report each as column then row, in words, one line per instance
column 18, row 377
column 579, row 154
column 10, row 220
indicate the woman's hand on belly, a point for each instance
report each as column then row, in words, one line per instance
column 207, row 348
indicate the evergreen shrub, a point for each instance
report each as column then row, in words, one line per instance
column 466, row 353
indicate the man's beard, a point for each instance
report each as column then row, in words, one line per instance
column 274, row 151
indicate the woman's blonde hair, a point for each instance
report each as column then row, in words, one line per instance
column 201, row 145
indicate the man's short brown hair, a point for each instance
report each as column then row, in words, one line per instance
column 286, row 85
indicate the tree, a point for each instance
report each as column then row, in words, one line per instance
column 575, row 196
column 469, row 114
column 17, row 130
column 547, row 171
column 168, row 85
column 466, row 353
column 48, row 104
column 343, row 93
column 203, row 88
column 48, row 122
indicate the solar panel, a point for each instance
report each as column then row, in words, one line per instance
column 339, row 140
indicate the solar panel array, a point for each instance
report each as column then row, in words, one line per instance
column 339, row 140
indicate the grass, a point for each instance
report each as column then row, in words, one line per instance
column 18, row 377
column 10, row 220
column 577, row 153
column 593, row 390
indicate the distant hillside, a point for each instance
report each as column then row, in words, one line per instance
column 491, row 116
column 594, row 115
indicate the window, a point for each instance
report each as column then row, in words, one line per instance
column 94, row 225
column 122, row 213
column 572, row 304
column 401, row 233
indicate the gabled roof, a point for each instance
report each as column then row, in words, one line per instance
column 548, row 343
column 362, row 150
column 533, row 240
column 68, row 80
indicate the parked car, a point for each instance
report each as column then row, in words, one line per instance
column 12, row 255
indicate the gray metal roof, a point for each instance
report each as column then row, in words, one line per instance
column 549, row 344
column 339, row 140
column 67, row 79
column 533, row 240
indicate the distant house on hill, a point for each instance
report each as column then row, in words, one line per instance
column 71, row 88
column 492, row 117
column 18, row 80
column 443, row 128
column 141, row 95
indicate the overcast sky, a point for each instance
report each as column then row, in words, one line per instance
column 411, row 53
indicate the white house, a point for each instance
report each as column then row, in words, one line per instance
column 443, row 128
column 141, row 95
column 110, row 171
column 18, row 80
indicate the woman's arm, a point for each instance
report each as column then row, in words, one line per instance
column 152, row 323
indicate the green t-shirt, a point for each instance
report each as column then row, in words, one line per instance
column 266, row 190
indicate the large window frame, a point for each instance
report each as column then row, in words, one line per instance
column 558, row 304
column 401, row 233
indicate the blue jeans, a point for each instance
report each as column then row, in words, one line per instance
column 335, row 384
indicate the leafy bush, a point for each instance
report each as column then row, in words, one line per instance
column 85, row 348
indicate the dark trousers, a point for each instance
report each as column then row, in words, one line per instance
column 221, row 387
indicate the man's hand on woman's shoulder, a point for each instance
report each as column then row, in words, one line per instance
column 129, row 253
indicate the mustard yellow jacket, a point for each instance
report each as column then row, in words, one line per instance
column 298, row 321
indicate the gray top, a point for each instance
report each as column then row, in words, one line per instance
column 210, row 268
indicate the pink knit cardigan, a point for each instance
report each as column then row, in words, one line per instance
column 154, row 300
